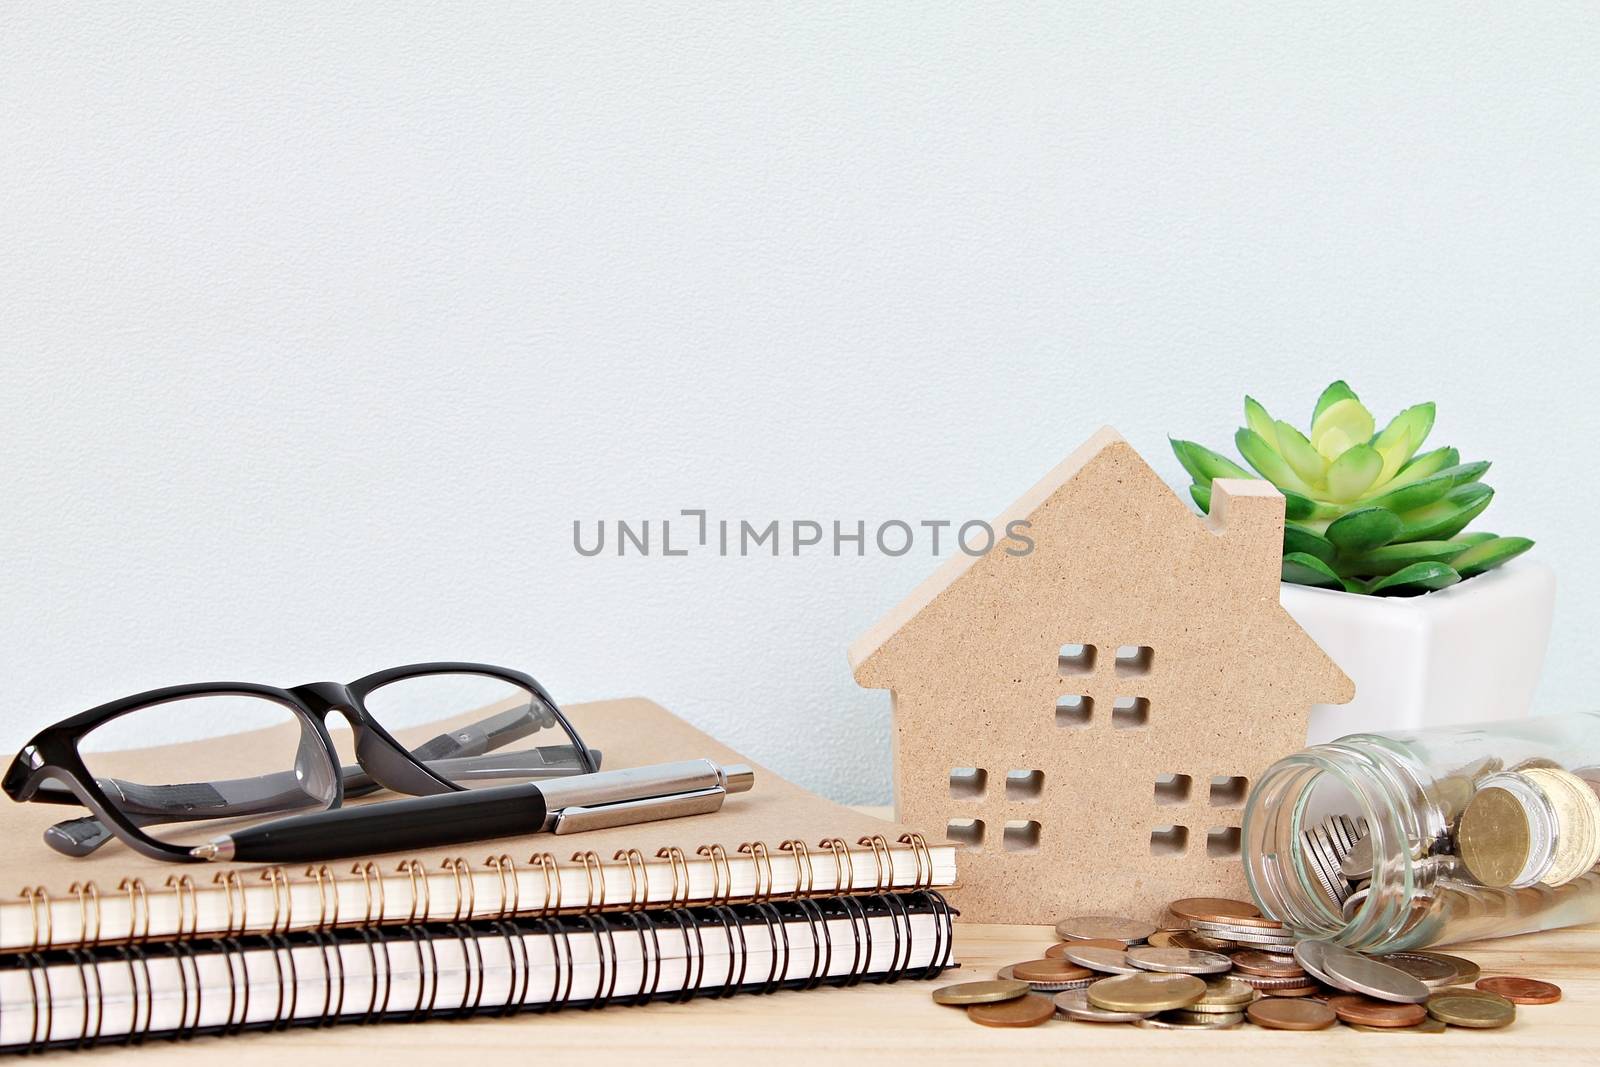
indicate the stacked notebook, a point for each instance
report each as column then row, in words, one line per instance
column 779, row 889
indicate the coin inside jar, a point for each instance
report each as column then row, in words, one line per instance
column 1030, row 1010
column 1368, row 1012
column 964, row 993
column 1048, row 970
column 1074, row 1004
column 1103, row 928
column 1493, row 838
column 1179, row 960
column 1149, row 992
column 1277, row 1014
column 1098, row 958
column 1522, row 990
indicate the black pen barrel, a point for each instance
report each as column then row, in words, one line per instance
column 394, row 825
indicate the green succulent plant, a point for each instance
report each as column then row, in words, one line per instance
column 1367, row 512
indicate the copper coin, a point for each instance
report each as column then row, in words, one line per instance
column 1522, row 990
column 1430, row 1025
column 1277, row 1014
column 1219, row 910
column 1264, row 984
column 1267, row 964
column 1030, row 1010
column 1290, row 991
column 1049, row 970
column 1368, row 1012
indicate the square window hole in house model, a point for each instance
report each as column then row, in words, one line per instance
column 967, row 783
column 1021, row 836
column 1173, row 789
column 1075, row 659
column 1134, row 660
column 1227, row 791
column 1169, row 841
column 967, row 833
column 1024, row 785
column 1130, row 713
column 1223, row 843
column 1074, row 710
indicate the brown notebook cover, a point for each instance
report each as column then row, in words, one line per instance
column 776, row 840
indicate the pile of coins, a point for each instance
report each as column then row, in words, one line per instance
column 1219, row 963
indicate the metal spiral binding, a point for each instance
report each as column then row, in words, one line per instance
column 505, row 868
column 546, row 864
column 923, row 857
column 328, row 915
column 844, row 868
column 882, row 861
column 596, row 900
column 805, row 879
column 282, row 899
column 467, row 898
column 676, row 860
column 233, row 886
column 721, row 873
column 421, row 899
column 761, row 861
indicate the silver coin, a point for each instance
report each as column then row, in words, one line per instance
column 1358, row 864
column 1179, row 960
column 1182, row 1020
column 1074, row 1004
column 1049, row 987
column 1103, row 928
column 1099, row 958
column 1354, row 973
column 1244, row 934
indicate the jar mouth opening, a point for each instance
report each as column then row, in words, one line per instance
column 1303, row 792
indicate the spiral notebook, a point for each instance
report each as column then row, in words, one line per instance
column 71, row 998
column 775, row 841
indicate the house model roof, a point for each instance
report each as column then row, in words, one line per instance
column 1087, row 715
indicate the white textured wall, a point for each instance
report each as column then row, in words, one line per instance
column 320, row 325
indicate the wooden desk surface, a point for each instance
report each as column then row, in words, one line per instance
column 896, row 1024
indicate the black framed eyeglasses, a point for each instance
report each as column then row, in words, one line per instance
column 502, row 726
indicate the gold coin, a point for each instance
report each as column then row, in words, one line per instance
column 1188, row 939
column 1030, row 1010
column 1430, row 1025
column 964, row 993
column 1146, row 992
column 1230, row 991
column 1493, row 839
column 1475, row 1013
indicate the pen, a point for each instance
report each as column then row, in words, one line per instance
column 562, row 806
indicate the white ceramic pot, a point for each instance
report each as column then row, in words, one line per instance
column 1470, row 653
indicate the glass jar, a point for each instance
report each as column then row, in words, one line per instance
column 1384, row 842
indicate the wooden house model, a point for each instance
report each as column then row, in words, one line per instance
column 1085, row 718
